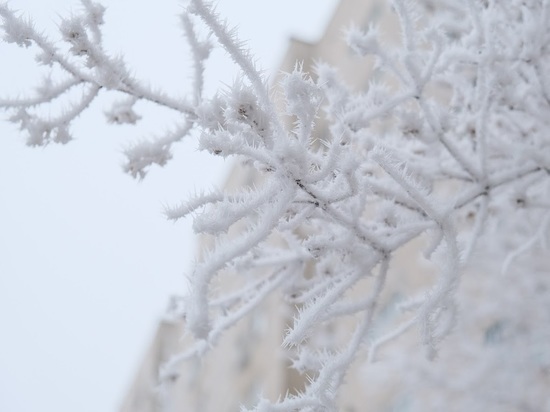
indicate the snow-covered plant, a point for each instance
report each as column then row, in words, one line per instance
column 448, row 150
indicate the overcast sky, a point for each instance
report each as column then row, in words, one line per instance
column 87, row 260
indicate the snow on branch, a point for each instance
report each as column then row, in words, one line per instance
column 443, row 151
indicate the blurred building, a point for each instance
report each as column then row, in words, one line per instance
column 249, row 359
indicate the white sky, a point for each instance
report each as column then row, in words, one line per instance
column 87, row 261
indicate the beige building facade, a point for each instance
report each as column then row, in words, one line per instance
column 249, row 359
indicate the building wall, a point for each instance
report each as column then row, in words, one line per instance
column 249, row 358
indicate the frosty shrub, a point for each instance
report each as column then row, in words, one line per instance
column 449, row 145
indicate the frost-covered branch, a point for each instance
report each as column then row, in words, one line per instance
column 442, row 152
